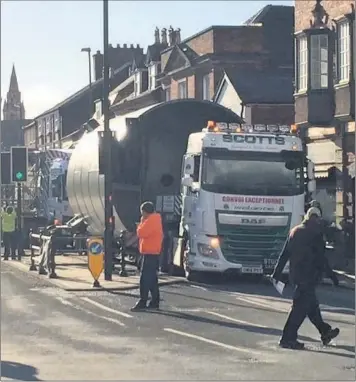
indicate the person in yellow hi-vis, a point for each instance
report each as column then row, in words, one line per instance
column 8, row 218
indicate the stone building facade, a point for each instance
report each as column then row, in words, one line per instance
column 325, row 99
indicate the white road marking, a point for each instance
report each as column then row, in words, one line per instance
column 212, row 342
column 103, row 307
column 235, row 320
column 68, row 303
column 264, row 305
column 198, row 287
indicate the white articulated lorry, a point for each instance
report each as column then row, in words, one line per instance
column 244, row 187
column 228, row 198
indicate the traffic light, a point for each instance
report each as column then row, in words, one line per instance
column 19, row 160
column 5, row 168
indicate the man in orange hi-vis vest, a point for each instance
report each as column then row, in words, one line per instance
column 150, row 236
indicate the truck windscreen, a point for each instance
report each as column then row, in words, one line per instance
column 251, row 173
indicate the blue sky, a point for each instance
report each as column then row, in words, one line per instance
column 44, row 38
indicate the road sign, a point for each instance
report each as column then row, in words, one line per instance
column 95, row 257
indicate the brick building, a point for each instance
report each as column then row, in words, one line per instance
column 325, row 98
column 64, row 121
column 194, row 67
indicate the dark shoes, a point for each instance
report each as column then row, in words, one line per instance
column 329, row 336
column 153, row 305
column 293, row 345
column 141, row 305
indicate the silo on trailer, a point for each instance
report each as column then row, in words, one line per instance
column 147, row 158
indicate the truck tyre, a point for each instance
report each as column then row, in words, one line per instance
column 193, row 276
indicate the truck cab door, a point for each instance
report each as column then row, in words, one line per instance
column 190, row 171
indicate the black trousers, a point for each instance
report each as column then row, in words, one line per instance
column 149, row 278
column 9, row 239
column 305, row 304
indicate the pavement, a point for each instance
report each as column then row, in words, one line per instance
column 225, row 330
column 74, row 275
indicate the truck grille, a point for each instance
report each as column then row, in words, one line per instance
column 252, row 245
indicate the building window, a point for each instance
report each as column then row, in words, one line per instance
column 206, row 87
column 152, row 72
column 343, row 42
column 319, row 61
column 137, row 84
column 302, row 64
column 182, row 89
column 167, row 94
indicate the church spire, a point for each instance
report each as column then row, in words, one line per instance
column 14, row 86
column 13, row 108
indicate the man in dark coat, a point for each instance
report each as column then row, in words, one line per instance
column 305, row 251
column 324, row 226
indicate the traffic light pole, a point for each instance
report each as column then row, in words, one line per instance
column 109, row 221
column 19, row 221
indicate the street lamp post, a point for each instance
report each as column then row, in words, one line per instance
column 107, row 140
column 88, row 50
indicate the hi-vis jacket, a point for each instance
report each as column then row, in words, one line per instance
column 150, row 235
column 8, row 221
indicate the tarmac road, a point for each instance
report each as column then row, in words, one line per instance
column 226, row 331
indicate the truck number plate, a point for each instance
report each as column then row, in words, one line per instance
column 254, row 270
column 270, row 263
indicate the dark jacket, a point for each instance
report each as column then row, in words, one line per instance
column 305, row 250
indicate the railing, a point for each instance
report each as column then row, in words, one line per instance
column 42, row 242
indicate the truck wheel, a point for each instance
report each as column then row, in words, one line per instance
column 192, row 276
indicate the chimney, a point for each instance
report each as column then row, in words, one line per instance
column 157, row 40
column 98, row 64
column 177, row 35
column 131, row 46
column 171, row 36
column 110, row 45
column 118, row 46
column 125, row 45
column 164, row 36
column 137, row 46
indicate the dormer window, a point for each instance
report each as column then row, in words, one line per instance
column 152, row 73
column 319, row 61
column 344, row 51
column 137, row 83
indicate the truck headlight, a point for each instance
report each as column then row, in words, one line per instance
column 207, row 251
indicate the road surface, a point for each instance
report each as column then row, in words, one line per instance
column 218, row 332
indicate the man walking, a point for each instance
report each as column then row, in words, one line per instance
column 150, row 235
column 305, row 251
column 9, row 232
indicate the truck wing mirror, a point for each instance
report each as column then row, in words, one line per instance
column 187, row 181
column 311, row 170
column 189, row 165
column 312, row 186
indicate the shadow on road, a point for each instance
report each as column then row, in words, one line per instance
column 350, row 349
column 254, row 329
column 248, row 328
column 19, row 371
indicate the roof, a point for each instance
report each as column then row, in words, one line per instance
column 255, row 86
column 269, row 11
column 154, row 52
column 212, row 27
column 82, row 91
column 139, row 62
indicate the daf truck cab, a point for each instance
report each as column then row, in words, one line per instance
column 243, row 188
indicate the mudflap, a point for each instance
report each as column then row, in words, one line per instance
column 177, row 268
